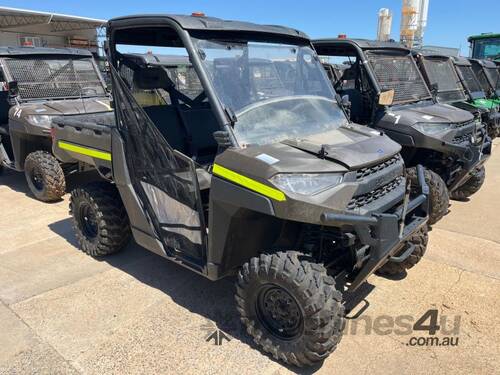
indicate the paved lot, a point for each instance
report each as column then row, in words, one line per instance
column 64, row 312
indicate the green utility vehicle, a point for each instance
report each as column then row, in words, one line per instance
column 477, row 97
column 485, row 46
column 256, row 173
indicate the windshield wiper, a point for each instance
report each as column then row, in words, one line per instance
column 322, row 153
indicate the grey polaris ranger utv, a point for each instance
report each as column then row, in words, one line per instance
column 386, row 90
column 258, row 173
column 445, row 85
column 477, row 97
column 36, row 85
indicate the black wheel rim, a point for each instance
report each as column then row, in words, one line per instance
column 88, row 221
column 279, row 312
column 37, row 179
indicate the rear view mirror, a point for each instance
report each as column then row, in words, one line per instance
column 386, row 97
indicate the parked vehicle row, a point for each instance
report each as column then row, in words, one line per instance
column 39, row 84
column 237, row 149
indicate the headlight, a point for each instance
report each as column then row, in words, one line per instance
column 40, row 120
column 306, row 183
column 431, row 128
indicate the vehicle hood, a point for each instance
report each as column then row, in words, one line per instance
column 63, row 107
column 345, row 149
column 435, row 113
column 354, row 147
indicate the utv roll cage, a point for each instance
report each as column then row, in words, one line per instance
column 209, row 27
column 469, row 80
column 492, row 89
column 370, row 93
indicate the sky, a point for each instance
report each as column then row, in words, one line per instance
column 450, row 21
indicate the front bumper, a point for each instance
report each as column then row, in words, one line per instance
column 472, row 158
column 383, row 235
column 493, row 121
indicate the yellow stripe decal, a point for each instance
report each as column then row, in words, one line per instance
column 249, row 183
column 85, row 151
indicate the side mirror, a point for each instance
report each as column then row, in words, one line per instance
column 346, row 103
column 13, row 88
column 434, row 88
column 386, row 97
column 222, row 138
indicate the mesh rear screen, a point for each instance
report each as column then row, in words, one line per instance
column 39, row 78
column 470, row 80
column 481, row 77
column 442, row 73
column 494, row 77
column 398, row 73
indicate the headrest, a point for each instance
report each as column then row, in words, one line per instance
column 150, row 78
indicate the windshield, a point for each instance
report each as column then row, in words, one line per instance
column 442, row 73
column 398, row 72
column 275, row 91
column 50, row 78
column 470, row 81
column 486, row 48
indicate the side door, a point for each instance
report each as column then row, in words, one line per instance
column 163, row 180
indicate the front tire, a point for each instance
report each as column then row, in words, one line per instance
column 419, row 240
column 439, row 199
column 99, row 219
column 290, row 307
column 45, row 176
column 471, row 186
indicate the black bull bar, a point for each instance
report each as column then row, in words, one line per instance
column 385, row 233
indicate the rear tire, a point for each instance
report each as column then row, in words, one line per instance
column 290, row 307
column 420, row 240
column 45, row 176
column 99, row 219
column 471, row 186
column 439, row 199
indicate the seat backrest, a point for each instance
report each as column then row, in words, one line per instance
column 169, row 124
column 201, row 124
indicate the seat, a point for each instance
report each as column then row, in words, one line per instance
column 169, row 124
column 201, row 124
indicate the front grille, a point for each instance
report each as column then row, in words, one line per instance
column 464, row 124
column 365, row 172
column 365, row 199
column 464, row 138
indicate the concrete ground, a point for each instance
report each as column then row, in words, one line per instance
column 64, row 312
